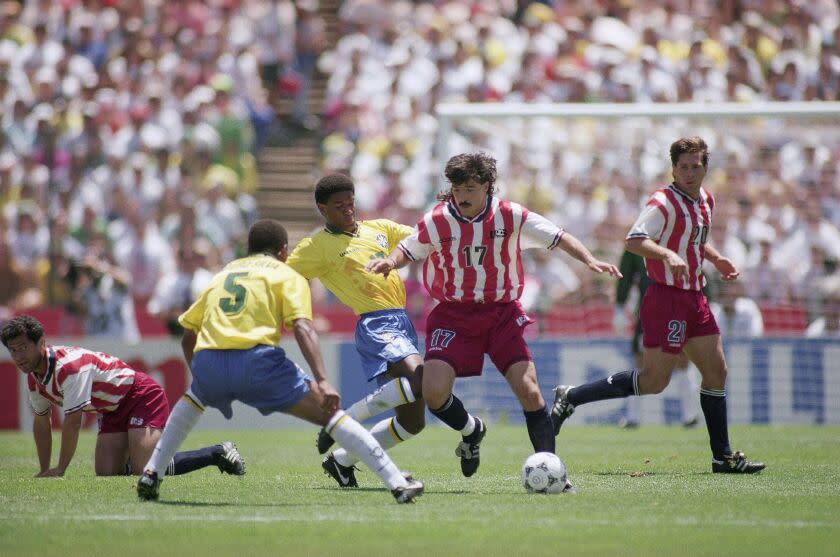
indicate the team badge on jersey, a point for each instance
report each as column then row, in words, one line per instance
column 382, row 240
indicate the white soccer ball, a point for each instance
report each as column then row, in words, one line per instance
column 544, row 473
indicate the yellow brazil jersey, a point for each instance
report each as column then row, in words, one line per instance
column 338, row 259
column 246, row 303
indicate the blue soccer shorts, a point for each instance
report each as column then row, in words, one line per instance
column 261, row 377
column 383, row 337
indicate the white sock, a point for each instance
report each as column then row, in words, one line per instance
column 470, row 427
column 390, row 395
column 388, row 433
column 181, row 420
column 689, row 391
column 634, row 406
column 356, row 439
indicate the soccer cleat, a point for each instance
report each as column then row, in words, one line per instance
column 344, row 475
column 148, row 486
column 562, row 408
column 736, row 463
column 230, row 461
column 408, row 493
column 468, row 448
column 325, row 441
column 569, row 487
column 691, row 422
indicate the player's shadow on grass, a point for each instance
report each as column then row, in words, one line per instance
column 358, row 489
column 647, row 474
column 224, row 504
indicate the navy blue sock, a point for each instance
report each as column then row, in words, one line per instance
column 617, row 385
column 452, row 413
column 540, row 430
column 185, row 462
column 713, row 403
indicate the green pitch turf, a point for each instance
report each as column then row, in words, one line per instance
column 642, row 492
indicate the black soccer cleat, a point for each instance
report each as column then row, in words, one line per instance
column 408, row 493
column 344, row 475
column 468, row 448
column 148, row 486
column 736, row 463
column 325, row 441
column 562, row 408
column 230, row 461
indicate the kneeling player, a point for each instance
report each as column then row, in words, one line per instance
column 132, row 407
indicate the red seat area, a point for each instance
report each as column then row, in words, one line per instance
column 57, row 321
column 334, row 319
column 594, row 318
column 784, row 319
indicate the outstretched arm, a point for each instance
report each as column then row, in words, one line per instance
column 69, row 440
column 651, row 250
column 310, row 346
column 576, row 249
column 396, row 260
column 724, row 265
column 42, row 432
column 188, row 345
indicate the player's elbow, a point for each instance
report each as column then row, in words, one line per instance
column 633, row 244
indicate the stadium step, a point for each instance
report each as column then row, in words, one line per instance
column 288, row 170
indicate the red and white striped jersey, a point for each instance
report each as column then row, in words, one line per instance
column 478, row 259
column 79, row 379
column 674, row 220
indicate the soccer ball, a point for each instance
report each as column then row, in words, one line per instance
column 544, row 473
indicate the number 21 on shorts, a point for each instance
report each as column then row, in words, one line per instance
column 676, row 332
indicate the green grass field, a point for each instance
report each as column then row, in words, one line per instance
column 642, row 492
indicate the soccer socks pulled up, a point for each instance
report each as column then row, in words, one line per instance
column 390, row 395
column 351, row 435
column 185, row 462
column 388, row 433
column 453, row 414
column 618, row 385
column 540, row 429
column 183, row 418
column 713, row 403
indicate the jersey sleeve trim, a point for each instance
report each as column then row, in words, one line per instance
column 77, row 407
column 407, row 253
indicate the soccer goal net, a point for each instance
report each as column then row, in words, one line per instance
column 590, row 168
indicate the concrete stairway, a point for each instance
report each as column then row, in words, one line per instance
column 289, row 166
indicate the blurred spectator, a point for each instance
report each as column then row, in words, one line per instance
column 766, row 281
column 828, row 324
column 177, row 289
column 736, row 314
column 101, row 297
column 310, row 40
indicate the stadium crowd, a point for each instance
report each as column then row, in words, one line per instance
column 130, row 131
column 777, row 187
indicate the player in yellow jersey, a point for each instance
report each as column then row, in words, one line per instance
column 230, row 341
column 385, row 337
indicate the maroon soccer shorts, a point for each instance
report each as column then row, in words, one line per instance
column 670, row 316
column 145, row 405
column 461, row 333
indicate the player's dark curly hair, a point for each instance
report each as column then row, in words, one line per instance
column 330, row 184
column 460, row 169
column 21, row 325
column 689, row 145
column 266, row 236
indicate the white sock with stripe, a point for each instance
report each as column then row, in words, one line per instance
column 388, row 433
column 181, row 420
column 357, row 440
column 390, row 395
